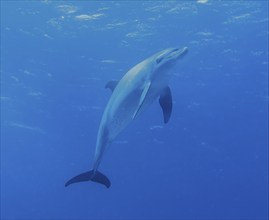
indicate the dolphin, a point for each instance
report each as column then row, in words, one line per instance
column 137, row 89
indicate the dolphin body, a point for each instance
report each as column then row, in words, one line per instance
column 138, row 88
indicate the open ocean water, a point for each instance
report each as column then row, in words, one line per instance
column 209, row 162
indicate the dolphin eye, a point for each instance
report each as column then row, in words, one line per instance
column 158, row 60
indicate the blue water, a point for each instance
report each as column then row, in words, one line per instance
column 209, row 162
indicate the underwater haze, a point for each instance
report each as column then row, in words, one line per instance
column 210, row 161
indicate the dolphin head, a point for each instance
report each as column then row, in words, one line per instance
column 169, row 56
column 165, row 60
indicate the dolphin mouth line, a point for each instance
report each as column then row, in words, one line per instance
column 178, row 52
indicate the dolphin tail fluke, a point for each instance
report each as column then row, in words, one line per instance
column 92, row 175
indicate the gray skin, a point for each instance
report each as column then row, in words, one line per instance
column 138, row 88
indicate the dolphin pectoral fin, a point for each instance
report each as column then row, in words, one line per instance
column 92, row 175
column 166, row 103
column 142, row 98
column 112, row 85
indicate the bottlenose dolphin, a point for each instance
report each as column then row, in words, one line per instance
column 138, row 88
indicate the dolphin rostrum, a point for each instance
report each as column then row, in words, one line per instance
column 138, row 88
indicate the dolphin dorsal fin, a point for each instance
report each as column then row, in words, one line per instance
column 112, row 85
column 166, row 103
